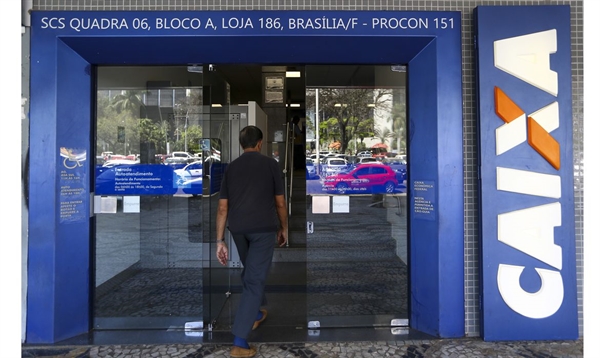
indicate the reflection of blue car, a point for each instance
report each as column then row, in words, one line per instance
column 189, row 178
column 395, row 163
column 192, row 171
column 176, row 162
column 399, row 166
column 311, row 170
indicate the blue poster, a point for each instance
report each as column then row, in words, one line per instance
column 72, row 188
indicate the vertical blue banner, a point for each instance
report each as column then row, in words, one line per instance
column 72, row 185
column 528, row 268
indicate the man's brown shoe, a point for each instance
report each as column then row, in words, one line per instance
column 239, row 352
column 257, row 323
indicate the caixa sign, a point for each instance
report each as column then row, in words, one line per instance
column 528, row 268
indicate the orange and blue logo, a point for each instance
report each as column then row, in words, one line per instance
column 528, row 268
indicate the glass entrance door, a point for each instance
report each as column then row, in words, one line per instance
column 286, row 283
column 356, row 196
column 161, row 142
column 164, row 137
column 217, row 147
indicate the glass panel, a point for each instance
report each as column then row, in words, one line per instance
column 162, row 148
column 357, row 254
column 217, row 146
column 285, row 286
column 148, row 205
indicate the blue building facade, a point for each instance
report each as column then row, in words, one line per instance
column 455, row 287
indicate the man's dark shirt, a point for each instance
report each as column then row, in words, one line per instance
column 249, row 184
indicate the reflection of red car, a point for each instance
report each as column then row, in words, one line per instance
column 365, row 178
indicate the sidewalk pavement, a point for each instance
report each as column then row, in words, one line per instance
column 442, row 348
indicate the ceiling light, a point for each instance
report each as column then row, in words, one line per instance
column 216, row 105
column 295, row 105
column 337, row 105
column 398, row 68
column 371, row 105
column 195, row 68
column 292, row 74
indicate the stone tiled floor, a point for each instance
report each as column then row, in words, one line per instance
column 330, row 288
column 442, row 348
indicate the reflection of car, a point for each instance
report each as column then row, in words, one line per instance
column 311, row 170
column 190, row 172
column 114, row 162
column 160, row 158
column 399, row 166
column 365, row 178
column 322, row 155
column 176, row 162
column 182, row 155
column 332, row 165
column 363, row 160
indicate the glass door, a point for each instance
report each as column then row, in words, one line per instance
column 218, row 150
column 152, row 241
column 164, row 137
column 285, row 287
column 356, row 197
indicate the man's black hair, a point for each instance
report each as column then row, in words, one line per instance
column 249, row 136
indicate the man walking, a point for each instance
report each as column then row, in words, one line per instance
column 252, row 206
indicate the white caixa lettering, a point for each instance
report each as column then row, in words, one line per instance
column 530, row 230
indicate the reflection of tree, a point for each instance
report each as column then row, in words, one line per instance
column 348, row 114
column 187, row 112
column 398, row 119
column 364, row 130
column 108, row 122
column 194, row 135
column 150, row 132
column 126, row 109
column 129, row 101
column 382, row 133
column 122, row 110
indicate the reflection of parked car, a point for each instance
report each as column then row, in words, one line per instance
column 160, row 158
column 322, row 155
column 176, row 162
column 114, row 162
column 399, row 166
column 365, row 178
column 189, row 178
column 311, row 170
column 189, row 172
column 332, row 165
column 182, row 155
column 363, row 160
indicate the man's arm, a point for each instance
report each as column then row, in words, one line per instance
column 222, row 251
column 282, row 234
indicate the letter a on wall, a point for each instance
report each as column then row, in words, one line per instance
column 528, row 277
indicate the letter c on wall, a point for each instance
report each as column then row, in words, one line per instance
column 541, row 304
